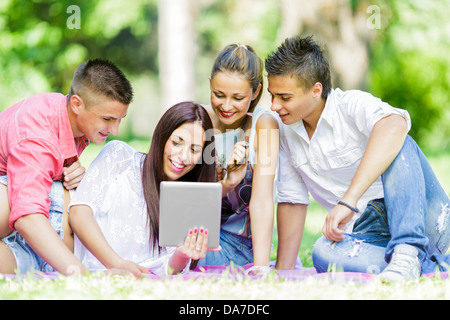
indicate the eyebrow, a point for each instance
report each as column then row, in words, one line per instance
column 112, row 117
column 280, row 94
column 196, row 145
column 234, row 94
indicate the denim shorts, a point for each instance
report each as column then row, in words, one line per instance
column 236, row 250
column 26, row 259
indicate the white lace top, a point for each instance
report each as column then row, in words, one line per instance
column 112, row 188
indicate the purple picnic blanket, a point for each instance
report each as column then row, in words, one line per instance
column 239, row 273
column 298, row 274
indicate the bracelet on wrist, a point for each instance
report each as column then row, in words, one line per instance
column 348, row 206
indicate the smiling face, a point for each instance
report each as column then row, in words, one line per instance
column 183, row 150
column 293, row 103
column 231, row 95
column 98, row 120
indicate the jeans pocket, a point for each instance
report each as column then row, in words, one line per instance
column 373, row 222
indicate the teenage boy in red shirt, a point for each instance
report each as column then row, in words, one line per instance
column 41, row 140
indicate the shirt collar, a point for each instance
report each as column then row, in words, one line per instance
column 327, row 115
column 329, row 111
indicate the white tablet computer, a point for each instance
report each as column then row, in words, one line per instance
column 185, row 205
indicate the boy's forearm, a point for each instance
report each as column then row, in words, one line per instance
column 43, row 239
column 385, row 142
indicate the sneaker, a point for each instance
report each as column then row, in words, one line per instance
column 404, row 265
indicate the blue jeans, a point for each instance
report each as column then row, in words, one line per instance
column 26, row 258
column 415, row 211
column 236, row 250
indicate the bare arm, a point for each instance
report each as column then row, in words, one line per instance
column 261, row 202
column 385, row 142
column 42, row 238
column 5, row 210
column 88, row 231
column 291, row 224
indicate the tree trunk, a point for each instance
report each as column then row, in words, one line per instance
column 176, row 51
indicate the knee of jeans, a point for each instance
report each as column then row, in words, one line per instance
column 442, row 221
column 405, row 165
column 321, row 254
column 345, row 256
column 440, row 236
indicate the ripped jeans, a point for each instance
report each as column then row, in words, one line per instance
column 415, row 211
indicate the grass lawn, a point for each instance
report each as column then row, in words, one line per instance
column 103, row 286
column 108, row 287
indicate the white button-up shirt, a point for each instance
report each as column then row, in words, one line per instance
column 324, row 165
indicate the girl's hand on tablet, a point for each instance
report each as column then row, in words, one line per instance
column 195, row 245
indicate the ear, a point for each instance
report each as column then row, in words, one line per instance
column 76, row 103
column 256, row 93
column 317, row 90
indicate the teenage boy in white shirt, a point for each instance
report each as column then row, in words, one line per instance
column 352, row 153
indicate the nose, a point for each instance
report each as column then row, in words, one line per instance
column 227, row 105
column 114, row 127
column 275, row 106
column 183, row 155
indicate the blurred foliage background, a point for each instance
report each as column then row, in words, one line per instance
column 397, row 50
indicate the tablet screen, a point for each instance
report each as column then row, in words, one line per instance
column 186, row 205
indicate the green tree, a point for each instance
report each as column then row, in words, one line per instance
column 39, row 51
column 410, row 66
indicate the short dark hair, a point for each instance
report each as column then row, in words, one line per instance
column 103, row 78
column 302, row 58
